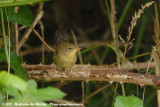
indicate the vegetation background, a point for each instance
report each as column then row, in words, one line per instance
column 94, row 22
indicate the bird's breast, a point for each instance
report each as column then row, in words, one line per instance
column 64, row 61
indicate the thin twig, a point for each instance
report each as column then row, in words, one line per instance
column 75, row 41
column 96, row 92
column 143, row 94
column 114, row 23
column 41, row 5
column 22, row 27
column 156, row 51
column 103, row 91
column 39, row 36
column 83, row 99
column 17, row 41
column 16, row 31
column 42, row 29
column 80, row 58
column 97, row 58
column 27, row 33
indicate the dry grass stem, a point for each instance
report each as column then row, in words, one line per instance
column 149, row 63
column 42, row 32
column 16, row 31
column 157, row 67
column 97, row 58
column 22, row 27
column 156, row 36
column 114, row 23
column 136, row 17
column 96, row 92
column 156, row 49
column 129, row 43
column 75, row 41
column 156, row 60
column 81, row 61
column 156, row 25
column 143, row 94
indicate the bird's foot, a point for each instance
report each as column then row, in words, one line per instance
column 68, row 71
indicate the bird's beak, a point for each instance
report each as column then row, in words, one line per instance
column 77, row 49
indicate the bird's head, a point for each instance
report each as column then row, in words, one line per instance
column 66, row 48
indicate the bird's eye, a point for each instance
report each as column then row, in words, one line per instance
column 70, row 48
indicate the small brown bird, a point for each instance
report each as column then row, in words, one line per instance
column 65, row 55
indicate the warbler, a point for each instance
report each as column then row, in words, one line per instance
column 65, row 55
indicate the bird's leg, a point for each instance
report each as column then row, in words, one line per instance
column 68, row 71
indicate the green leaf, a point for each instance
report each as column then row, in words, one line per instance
column 43, row 94
column 34, row 95
column 10, row 91
column 15, row 64
column 129, row 101
column 49, row 93
column 10, row 80
column 7, row 3
column 24, row 16
column 32, row 85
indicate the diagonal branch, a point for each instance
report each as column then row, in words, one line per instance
column 39, row 36
column 27, row 33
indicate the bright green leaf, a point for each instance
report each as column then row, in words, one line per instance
column 12, row 91
column 15, row 64
column 45, row 94
column 10, row 80
column 129, row 101
column 50, row 93
column 23, row 17
column 32, row 85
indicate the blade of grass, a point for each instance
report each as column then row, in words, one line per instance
column 92, row 48
column 114, row 96
column 104, row 55
column 9, row 52
column 4, row 35
column 110, row 21
column 109, row 45
column 121, row 19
